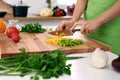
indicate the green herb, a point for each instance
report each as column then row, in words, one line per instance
column 36, row 77
column 36, row 27
column 70, row 42
column 50, row 64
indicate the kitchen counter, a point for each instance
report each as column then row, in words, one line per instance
column 82, row 70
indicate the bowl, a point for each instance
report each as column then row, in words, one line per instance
column 20, row 11
column 2, row 13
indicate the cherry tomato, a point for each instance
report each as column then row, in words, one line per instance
column 11, row 30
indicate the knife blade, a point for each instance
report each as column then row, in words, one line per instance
column 64, row 32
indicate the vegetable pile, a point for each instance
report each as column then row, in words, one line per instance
column 13, row 33
column 70, row 42
column 35, row 27
column 54, row 40
column 64, row 41
column 50, row 64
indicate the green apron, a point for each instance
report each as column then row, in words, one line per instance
column 109, row 32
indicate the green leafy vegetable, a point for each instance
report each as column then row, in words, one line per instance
column 36, row 27
column 70, row 42
column 50, row 64
column 36, row 77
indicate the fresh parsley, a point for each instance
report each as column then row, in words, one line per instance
column 47, row 65
column 33, row 28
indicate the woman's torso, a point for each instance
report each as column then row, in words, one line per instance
column 108, row 32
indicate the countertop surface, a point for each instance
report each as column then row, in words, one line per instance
column 82, row 70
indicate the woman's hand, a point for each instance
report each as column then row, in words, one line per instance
column 87, row 26
column 65, row 25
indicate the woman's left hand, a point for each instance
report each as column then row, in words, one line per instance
column 87, row 26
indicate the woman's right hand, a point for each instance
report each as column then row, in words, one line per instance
column 65, row 25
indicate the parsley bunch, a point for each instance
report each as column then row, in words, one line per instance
column 50, row 64
column 35, row 27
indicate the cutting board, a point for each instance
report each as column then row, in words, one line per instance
column 35, row 43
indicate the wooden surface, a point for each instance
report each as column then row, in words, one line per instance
column 36, row 17
column 34, row 42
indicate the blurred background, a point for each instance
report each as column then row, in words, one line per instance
column 37, row 5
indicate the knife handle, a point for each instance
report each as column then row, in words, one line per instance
column 74, row 30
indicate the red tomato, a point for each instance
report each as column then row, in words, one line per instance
column 11, row 30
column 15, row 38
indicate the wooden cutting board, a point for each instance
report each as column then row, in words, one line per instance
column 35, row 42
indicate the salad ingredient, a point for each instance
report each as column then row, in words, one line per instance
column 15, row 37
column 116, row 64
column 2, row 26
column 70, row 42
column 46, row 12
column 10, row 30
column 53, row 40
column 99, row 58
column 31, row 28
column 50, row 64
column 58, row 11
column 64, row 41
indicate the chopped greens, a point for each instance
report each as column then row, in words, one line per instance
column 50, row 64
column 70, row 42
column 36, row 27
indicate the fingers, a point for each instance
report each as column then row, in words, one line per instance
column 75, row 24
column 65, row 25
column 61, row 26
column 85, row 27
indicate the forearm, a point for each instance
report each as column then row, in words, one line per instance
column 79, row 9
column 109, row 14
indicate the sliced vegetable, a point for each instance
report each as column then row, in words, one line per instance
column 70, row 42
column 53, row 40
column 64, row 41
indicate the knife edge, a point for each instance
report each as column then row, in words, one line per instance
column 64, row 32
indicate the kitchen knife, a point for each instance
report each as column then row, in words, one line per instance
column 64, row 32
